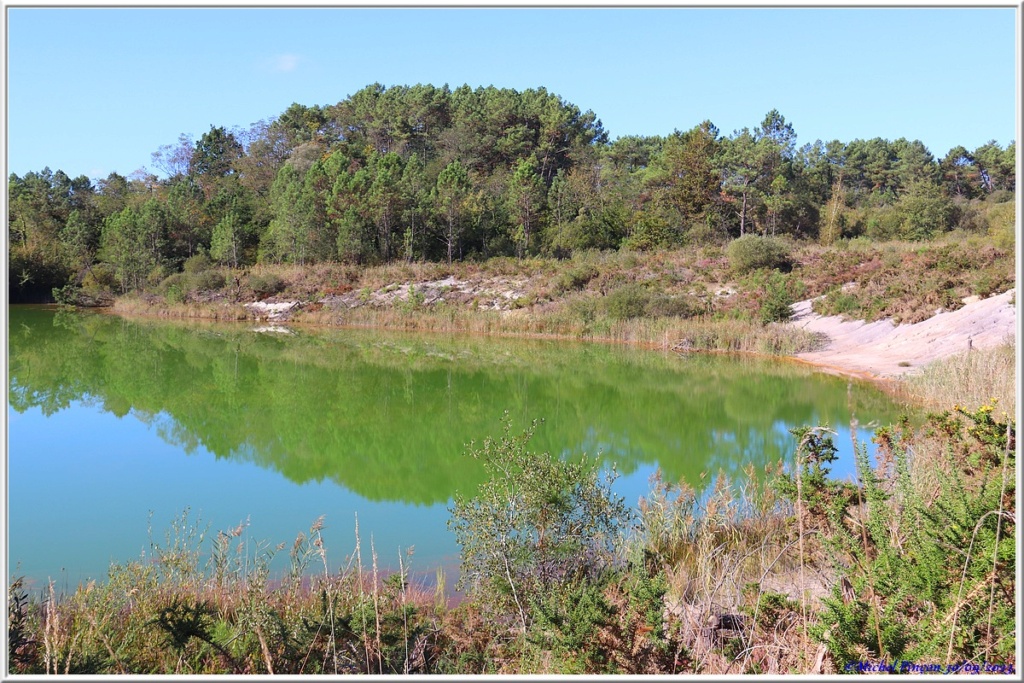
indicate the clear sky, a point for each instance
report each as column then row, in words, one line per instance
column 92, row 91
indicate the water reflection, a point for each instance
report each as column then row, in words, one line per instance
column 387, row 416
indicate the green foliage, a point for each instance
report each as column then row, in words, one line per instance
column 197, row 264
column 649, row 232
column 899, row 596
column 66, row 295
column 666, row 306
column 634, row 300
column 1001, row 225
column 924, row 212
column 751, row 252
column 537, row 523
column 182, row 620
column 566, row 622
column 821, row 500
column 413, row 301
column 778, row 293
column 99, row 278
column 576, row 277
column 174, row 287
column 431, row 173
column 839, row 302
column 265, row 284
column 629, row 301
column 206, row 281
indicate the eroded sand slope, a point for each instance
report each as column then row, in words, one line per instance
column 882, row 349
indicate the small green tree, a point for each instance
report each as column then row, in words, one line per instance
column 537, row 523
column 924, row 211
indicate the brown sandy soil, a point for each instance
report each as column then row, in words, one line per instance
column 883, row 350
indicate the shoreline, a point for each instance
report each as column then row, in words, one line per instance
column 887, row 384
column 853, row 349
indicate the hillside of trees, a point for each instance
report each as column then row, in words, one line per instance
column 421, row 173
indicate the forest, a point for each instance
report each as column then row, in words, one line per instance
column 432, row 174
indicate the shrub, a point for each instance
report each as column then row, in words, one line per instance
column 66, row 295
column 197, row 263
column 174, row 287
column 923, row 548
column 627, row 302
column 650, row 232
column 206, row 281
column 1001, row 196
column 577, row 277
column 882, row 224
column 665, row 306
column 837, row 302
column 266, row 284
column 156, row 275
column 583, row 308
column 1001, row 225
column 100, row 278
column 538, row 523
column 924, row 211
column 779, row 294
column 752, row 252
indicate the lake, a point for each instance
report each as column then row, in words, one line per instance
column 116, row 426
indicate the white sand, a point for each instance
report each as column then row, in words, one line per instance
column 881, row 349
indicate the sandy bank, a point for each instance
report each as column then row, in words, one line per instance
column 884, row 350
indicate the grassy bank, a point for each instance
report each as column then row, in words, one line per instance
column 709, row 298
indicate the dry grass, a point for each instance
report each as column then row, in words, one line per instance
column 738, row 574
column 171, row 615
column 693, row 334
column 154, row 307
column 970, row 379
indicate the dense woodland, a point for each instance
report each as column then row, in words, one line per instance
column 423, row 173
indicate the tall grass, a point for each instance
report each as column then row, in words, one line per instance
column 171, row 613
column 691, row 334
column 970, row 379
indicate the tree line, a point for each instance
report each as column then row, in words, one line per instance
column 420, row 173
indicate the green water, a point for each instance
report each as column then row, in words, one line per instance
column 114, row 419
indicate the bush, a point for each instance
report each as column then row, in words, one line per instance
column 577, row 277
column 924, row 549
column 650, row 232
column 1001, row 221
column 1001, row 196
column 156, row 275
column 779, row 294
column 837, row 302
column 924, row 211
column 174, row 287
column 538, row 523
column 197, row 263
column 753, row 252
column 665, row 306
column 266, row 284
column 100, row 278
column 627, row 302
column 206, row 281
column 66, row 295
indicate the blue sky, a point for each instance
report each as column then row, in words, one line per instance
column 92, row 91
